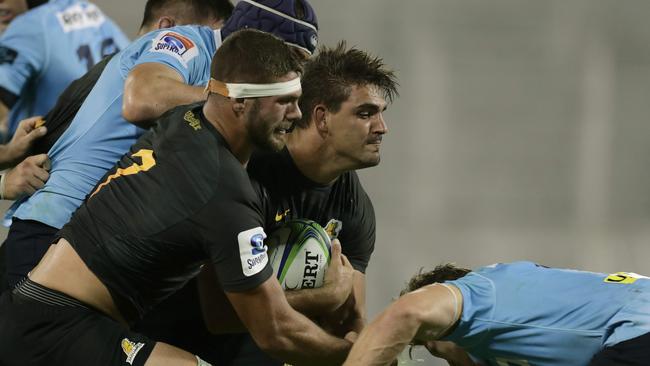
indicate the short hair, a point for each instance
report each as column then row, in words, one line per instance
column 440, row 274
column 197, row 9
column 331, row 74
column 253, row 56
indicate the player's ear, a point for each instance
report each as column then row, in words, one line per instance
column 319, row 117
column 166, row 22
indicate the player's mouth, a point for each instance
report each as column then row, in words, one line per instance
column 283, row 129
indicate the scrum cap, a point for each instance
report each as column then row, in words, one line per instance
column 294, row 21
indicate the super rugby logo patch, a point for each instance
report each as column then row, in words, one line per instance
column 131, row 349
column 176, row 45
column 252, row 251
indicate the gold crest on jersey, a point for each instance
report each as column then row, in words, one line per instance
column 191, row 120
column 333, row 228
column 131, row 349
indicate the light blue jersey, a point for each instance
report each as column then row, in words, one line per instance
column 525, row 314
column 46, row 48
column 99, row 135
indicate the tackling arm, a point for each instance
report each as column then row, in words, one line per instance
column 151, row 89
column 425, row 314
column 283, row 332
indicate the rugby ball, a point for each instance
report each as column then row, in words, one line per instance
column 299, row 252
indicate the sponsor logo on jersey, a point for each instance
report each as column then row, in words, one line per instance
column 7, row 55
column 78, row 17
column 131, row 349
column 281, row 214
column 333, row 228
column 191, row 120
column 252, row 251
column 176, row 45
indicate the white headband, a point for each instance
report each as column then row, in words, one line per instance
column 240, row 90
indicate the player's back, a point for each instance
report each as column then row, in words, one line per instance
column 99, row 135
column 545, row 316
column 50, row 46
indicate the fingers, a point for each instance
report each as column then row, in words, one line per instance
column 336, row 251
column 30, row 124
column 346, row 261
column 41, row 160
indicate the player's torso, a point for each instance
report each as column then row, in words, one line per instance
column 99, row 135
column 525, row 314
column 343, row 208
column 76, row 36
column 140, row 224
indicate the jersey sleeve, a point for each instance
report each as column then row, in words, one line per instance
column 175, row 49
column 236, row 245
column 22, row 53
column 358, row 238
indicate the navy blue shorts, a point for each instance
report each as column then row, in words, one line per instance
column 43, row 327
column 632, row 352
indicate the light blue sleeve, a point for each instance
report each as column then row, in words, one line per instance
column 22, row 52
column 176, row 48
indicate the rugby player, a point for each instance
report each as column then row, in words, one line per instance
column 517, row 313
column 127, row 248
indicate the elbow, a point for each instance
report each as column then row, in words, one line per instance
column 134, row 109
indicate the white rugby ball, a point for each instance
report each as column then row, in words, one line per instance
column 299, row 252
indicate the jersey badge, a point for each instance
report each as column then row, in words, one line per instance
column 252, row 251
column 78, row 17
column 7, row 55
column 131, row 349
column 623, row 277
column 176, row 45
column 281, row 214
column 333, row 228
column 191, row 120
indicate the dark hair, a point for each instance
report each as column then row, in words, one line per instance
column 253, row 56
column 440, row 274
column 197, row 9
column 330, row 76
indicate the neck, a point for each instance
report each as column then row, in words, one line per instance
column 312, row 156
column 231, row 130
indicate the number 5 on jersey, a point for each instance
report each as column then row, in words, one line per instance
column 147, row 162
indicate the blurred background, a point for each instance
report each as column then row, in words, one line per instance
column 521, row 132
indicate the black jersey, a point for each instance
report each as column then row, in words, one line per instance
column 67, row 105
column 177, row 198
column 342, row 208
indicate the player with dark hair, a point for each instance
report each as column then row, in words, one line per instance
column 345, row 92
column 126, row 249
column 158, row 71
column 515, row 314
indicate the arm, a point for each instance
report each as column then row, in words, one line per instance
column 281, row 331
column 221, row 318
column 28, row 131
column 25, row 178
column 423, row 314
column 151, row 89
column 337, row 287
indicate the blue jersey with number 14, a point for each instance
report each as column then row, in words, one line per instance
column 46, row 48
column 522, row 314
column 99, row 135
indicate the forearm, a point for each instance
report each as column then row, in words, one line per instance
column 382, row 341
column 6, row 158
column 312, row 302
column 301, row 342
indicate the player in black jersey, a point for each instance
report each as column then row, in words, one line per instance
column 180, row 197
column 345, row 92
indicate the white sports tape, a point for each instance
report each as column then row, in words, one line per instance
column 241, row 90
column 200, row 362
